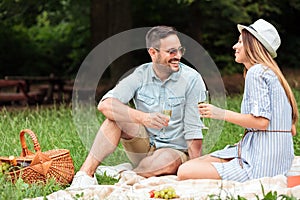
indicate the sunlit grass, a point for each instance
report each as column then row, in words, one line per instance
column 55, row 129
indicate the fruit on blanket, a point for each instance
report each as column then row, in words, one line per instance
column 166, row 193
column 151, row 193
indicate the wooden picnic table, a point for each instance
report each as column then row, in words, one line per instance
column 16, row 91
column 45, row 84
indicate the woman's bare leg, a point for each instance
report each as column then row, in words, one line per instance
column 199, row 168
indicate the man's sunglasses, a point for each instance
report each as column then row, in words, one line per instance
column 173, row 51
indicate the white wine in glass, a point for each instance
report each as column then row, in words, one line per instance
column 204, row 98
column 166, row 110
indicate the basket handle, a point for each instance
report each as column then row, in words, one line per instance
column 25, row 152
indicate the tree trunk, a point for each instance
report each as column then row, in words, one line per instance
column 109, row 17
column 194, row 25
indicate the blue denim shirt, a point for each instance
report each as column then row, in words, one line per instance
column 181, row 91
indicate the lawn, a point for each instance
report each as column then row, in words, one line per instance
column 55, row 129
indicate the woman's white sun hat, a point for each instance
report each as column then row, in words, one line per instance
column 266, row 33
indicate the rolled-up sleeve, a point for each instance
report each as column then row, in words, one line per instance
column 258, row 94
column 192, row 123
column 126, row 88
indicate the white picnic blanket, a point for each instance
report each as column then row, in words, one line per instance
column 134, row 187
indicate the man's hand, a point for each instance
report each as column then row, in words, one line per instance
column 155, row 120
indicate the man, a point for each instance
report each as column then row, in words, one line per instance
column 155, row 143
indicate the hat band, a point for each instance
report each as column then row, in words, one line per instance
column 252, row 28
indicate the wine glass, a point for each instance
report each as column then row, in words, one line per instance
column 204, row 98
column 166, row 110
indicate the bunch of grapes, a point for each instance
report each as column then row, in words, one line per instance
column 167, row 193
column 4, row 167
column 12, row 165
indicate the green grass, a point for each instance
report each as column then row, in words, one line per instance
column 55, row 128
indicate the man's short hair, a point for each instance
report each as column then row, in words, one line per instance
column 156, row 33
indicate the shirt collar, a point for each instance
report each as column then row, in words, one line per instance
column 174, row 76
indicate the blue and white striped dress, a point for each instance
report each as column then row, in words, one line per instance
column 264, row 154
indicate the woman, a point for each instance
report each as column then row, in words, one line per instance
column 268, row 113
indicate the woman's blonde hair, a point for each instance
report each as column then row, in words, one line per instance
column 257, row 53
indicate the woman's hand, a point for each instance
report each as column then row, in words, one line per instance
column 211, row 111
column 244, row 120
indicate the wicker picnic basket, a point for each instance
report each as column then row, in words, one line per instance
column 56, row 163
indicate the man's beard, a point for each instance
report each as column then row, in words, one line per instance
column 165, row 67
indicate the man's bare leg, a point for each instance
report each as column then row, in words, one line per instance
column 105, row 143
column 161, row 162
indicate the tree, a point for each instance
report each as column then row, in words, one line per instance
column 39, row 37
column 43, row 37
column 109, row 17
